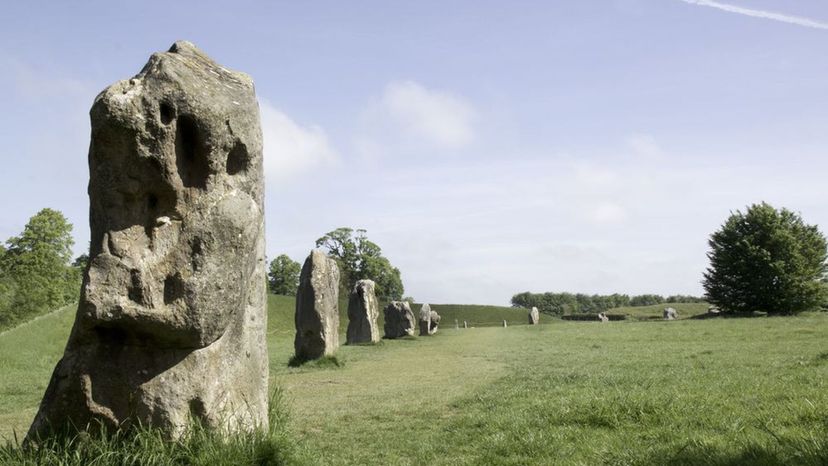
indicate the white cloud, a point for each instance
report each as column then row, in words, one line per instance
column 607, row 213
column 409, row 120
column 439, row 117
column 645, row 146
column 289, row 148
column 796, row 20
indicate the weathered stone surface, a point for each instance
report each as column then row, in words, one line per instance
column 363, row 310
column 534, row 316
column 670, row 314
column 429, row 320
column 317, row 308
column 399, row 320
column 172, row 315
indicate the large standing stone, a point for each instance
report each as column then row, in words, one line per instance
column 171, row 322
column 429, row 320
column 317, row 308
column 399, row 320
column 534, row 316
column 363, row 310
column 670, row 314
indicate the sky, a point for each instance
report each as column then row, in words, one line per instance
column 488, row 147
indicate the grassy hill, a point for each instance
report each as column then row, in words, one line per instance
column 685, row 310
column 722, row 391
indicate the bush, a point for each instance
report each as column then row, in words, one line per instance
column 767, row 260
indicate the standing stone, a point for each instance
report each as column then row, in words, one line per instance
column 534, row 316
column 363, row 311
column 317, row 308
column 465, row 324
column 670, row 314
column 456, row 325
column 505, row 324
column 434, row 322
column 429, row 320
column 171, row 322
column 603, row 317
column 399, row 320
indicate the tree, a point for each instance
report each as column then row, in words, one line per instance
column 283, row 277
column 767, row 260
column 646, row 300
column 36, row 274
column 359, row 258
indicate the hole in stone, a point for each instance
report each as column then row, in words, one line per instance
column 152, row 201
column 173, row 288
column 238, row 159
column 135, row 292
column 167, row 113
column 111, row 336
column 198, row 412
column 196, row 253
column 191, row 153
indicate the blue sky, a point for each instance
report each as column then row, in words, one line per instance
column 488, row 147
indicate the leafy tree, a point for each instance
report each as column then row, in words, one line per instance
column 81, row 262
column 646, row 300
column 767, row 260
column 36, row 275
column 283, row 276
column 359, row 258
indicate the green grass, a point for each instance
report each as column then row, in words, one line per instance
column 719, row 391
column 149, row 447
column 685, row 310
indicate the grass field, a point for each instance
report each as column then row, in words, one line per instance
column 719, row 391
column 654, row 312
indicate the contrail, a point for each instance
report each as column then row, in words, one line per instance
column 797, row 20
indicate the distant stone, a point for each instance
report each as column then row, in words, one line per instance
column 534, row 316
column 435, row 322
column 317, row 308
column 670, row 314
column 603, row 317
column 456, row 324
column 505, row 324
column 171, row 323
column 465, row 324
column 429, row 320
column 363, row 310
column 399, row 320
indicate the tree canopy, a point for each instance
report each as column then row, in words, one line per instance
column 35, row 274
column 283, row 276
column 359, row 258
column 767, row 260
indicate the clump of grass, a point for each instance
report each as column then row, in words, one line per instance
column 148, row 446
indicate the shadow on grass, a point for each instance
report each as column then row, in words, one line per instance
column 730, row 315
column 325, row 362
column 749, row 455
column 367, row 343
column 402, row 338
column 783, row 453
